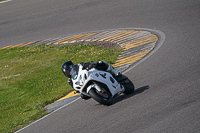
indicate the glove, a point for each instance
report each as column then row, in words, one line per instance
column 70, row 82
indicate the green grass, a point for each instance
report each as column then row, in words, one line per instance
column 31, row 78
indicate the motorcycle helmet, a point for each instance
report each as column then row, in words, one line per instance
column 66, row 68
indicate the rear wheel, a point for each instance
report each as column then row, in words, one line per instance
column 129, row 86
column 103, row 97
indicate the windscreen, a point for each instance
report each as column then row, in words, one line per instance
column 74, row 72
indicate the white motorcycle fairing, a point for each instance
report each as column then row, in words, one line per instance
column 84, row 80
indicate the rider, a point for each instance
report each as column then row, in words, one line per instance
column 101, row 65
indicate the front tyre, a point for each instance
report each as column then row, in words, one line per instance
column 85, row 97
column 101, row 97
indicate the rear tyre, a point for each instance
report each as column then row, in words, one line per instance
column 101, row 97
column 129, row 86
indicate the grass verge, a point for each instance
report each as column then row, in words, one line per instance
column 31, row 78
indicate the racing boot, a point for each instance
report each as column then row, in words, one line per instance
column 113, row 71
column 117, row 75
column 102, row 65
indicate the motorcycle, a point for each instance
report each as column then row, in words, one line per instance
column 99, row 85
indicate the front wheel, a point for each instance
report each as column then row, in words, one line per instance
column 102, row 97
column 85, row 97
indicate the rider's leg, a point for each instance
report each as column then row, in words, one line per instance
column 113, row 71
column 102, row 65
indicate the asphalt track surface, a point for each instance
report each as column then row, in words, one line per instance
column 167, row 97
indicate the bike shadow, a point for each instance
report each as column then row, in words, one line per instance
column 125, row 96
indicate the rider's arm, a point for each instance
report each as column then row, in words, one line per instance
column 102, row 65
column 70, row 82
column 88, row 65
